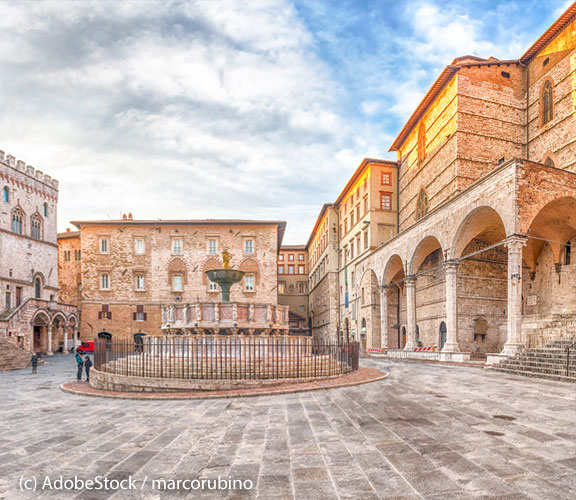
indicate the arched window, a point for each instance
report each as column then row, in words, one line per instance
column 547, row 102
column 38, row 288
column 17, row 221
column 6, row 195
column 36, row 227
column 422, row 204
column 567, row 252
column 421, row 143
column 45, row 209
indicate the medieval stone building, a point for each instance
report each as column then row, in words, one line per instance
column 122, row 274
column 482, row 255
column 293, row 286
column 31, row 316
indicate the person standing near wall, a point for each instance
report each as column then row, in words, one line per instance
column 34, row 362
column 87, row 366
column 80, row 363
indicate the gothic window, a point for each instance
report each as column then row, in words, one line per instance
column 547, row 102
column 6, row 195
column 36, row 227
column 567, row 251
column 45, row 209
column 37, row 288
column 422, row 204
column 421, row 143
column 17, row 221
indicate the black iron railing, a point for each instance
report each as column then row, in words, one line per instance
column 226, row 358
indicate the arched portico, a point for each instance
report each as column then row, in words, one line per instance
column 40, row 323
column 392, row 303
column 369, row 309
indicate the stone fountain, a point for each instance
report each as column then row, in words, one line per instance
column 225, row 277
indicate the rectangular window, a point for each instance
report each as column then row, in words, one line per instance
column 291, row 257
column 105, row 312
column 301, row 270
column 139, row 282
column 358, row 212
column 212, row 287
column 281, row 257
column 351, row 220
column 280, row 269
column 386, row 179
column 103, row 245
column 386, row 201
column 8, row 300
column 365, row 240
column 177, row 246
column 351, row 249
column 177, row 282
column 301, row 256
column 281, row 288
column 139, row 245
column 290, row 269
column 105, row 281
column 358, row 249
column 249, row 246
column 365, row 205
column 249, row 283
column 212, row 246
column 140, row 315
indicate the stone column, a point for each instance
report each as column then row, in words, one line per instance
column 49, row 340
column 65, row 340
column 410, row 282
column 384, row 317
column 514, row 323
column 451, row 273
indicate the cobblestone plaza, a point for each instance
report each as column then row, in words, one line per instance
column 427, row 431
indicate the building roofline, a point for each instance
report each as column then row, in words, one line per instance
column 188, row 222
column 323, row 210
column 293, row 247
column 68, row 235
column 546, row 37
column 363, row 165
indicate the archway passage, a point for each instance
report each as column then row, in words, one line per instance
column 550, row 280
column 482, row 280
column 394, row 302
column 430, row 293
column 369, row 310
column 40, row 325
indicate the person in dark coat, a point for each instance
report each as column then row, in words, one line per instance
column 80, row 363
column 34, row 362
column 87, row 366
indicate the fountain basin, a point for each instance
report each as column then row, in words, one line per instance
column 225, row 278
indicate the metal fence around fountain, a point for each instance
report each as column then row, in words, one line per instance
column 227, row 358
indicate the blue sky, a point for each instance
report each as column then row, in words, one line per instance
column 228, row 108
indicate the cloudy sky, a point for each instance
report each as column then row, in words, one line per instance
column 228, row 108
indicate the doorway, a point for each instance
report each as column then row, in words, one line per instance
column 443, row 331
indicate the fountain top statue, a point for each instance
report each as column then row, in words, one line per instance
column 226, row 257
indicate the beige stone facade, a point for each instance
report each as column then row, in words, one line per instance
column 293, row 286
column 31, row 316
column 323, row 253
column 131, row 269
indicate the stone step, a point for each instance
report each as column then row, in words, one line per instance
column 537, row 364
column 12, row 357
column 561, row 378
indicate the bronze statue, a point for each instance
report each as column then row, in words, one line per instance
column 226, row 258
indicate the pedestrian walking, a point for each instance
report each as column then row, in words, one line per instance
column 87, row 366
column 34, row 362
column 80, row 363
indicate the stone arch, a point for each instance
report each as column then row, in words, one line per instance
column 41, row 317
column 426, row 247
column 251, row 266
column 369, row 309
column 36, row 226
column 550, row 159
column 394, row 270
column 483, row 223
column 40, row 323
column 177, row 266
column 18, row 220
column 555, row 223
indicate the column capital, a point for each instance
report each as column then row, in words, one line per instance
column 451, row 266
column 410, row 280
column 515, row 242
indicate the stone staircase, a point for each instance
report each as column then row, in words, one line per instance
column 547, row 362
column 12, row 357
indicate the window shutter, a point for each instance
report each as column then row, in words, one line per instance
column 140, row 309
column 109, row 315
column 134, row 316
column 145, row 316
column 99, row 314
column 104, row 307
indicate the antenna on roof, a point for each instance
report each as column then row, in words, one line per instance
column 475, row 53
